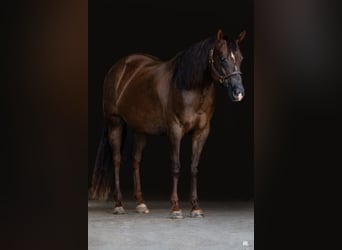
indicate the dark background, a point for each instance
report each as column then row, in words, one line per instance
column 44, row 122
column 226, row 166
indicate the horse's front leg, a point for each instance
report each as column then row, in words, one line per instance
column 199, row 138
column 175, row 136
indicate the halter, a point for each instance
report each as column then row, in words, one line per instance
column 220, row 77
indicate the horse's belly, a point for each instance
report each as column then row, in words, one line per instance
column 145, row 124
column 143, row 114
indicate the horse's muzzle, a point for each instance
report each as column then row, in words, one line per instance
column 237, row 95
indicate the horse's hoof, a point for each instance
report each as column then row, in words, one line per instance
column 176, row 215
column 142, row 209
column 197, row 213
column 119, row 210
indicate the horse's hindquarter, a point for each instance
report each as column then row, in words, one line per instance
column 139, row 91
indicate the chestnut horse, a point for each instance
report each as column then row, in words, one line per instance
column 170, row 98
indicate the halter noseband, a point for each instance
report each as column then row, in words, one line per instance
column 220, row 77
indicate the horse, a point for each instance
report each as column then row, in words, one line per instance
column 172, row 98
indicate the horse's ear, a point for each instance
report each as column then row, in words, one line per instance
column 219, row 35
column 241, row 36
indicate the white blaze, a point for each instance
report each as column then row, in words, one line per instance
column 232, row 55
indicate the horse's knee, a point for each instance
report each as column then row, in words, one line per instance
column 175, row 169
column 194, row 170
column 136, row 162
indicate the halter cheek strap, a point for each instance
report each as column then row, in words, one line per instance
column 221, row 78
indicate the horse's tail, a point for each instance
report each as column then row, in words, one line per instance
column 103, row 173
column 102, row 185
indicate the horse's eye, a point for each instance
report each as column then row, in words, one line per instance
column 223, row 59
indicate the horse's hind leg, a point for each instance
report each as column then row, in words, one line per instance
column 114, row 135
column 138, row 146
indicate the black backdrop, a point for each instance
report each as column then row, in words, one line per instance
column 44, row 115
column 226, row 167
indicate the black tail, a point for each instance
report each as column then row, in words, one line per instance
column 103, row 173
column 102, row 185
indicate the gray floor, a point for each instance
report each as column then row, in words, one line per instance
column 226, row 225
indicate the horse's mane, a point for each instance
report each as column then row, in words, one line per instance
column 192, row 64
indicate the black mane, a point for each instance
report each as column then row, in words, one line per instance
column 192, row 64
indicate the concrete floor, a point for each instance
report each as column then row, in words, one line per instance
column 226, row 225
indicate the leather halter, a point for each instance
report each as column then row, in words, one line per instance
column 220, row 77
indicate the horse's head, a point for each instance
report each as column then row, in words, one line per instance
column 225, row 60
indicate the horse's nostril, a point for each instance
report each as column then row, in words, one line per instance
column 236, row 92
column 238, row 95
